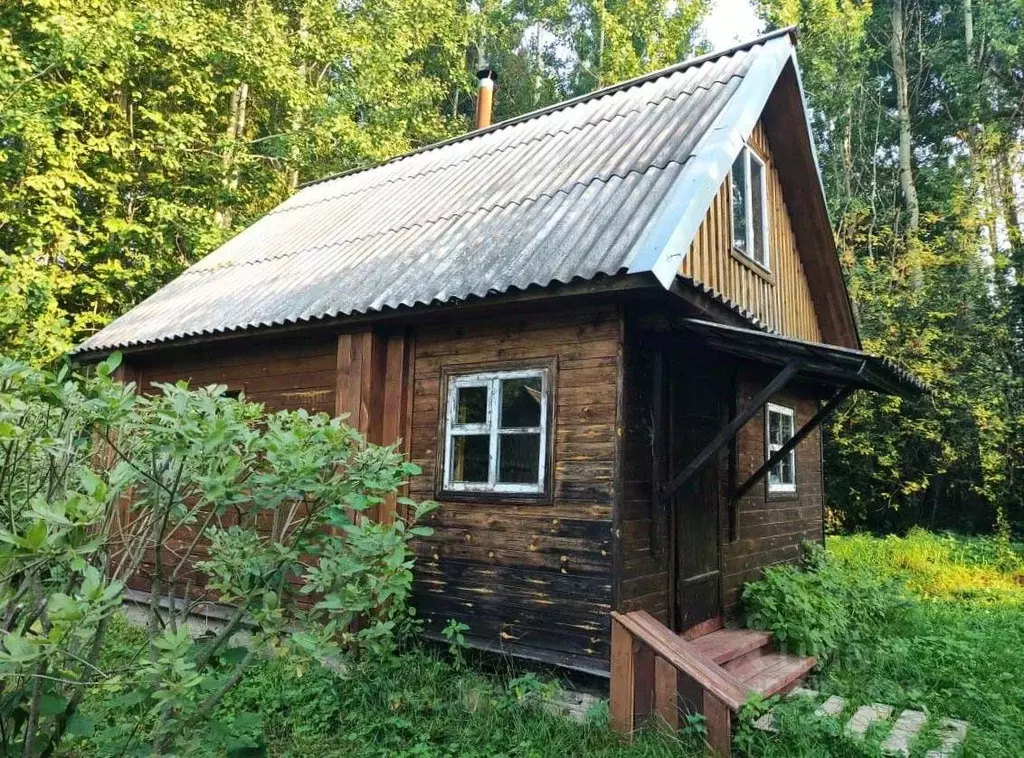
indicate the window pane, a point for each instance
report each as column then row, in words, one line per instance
column 775, row 429
column 757, row 205
column 739, row 203
column 519, row 459
column 786, row 474
column 520, row 402
column 471, row 405
column 470, row 458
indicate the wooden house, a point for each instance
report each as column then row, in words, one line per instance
column 607, row 330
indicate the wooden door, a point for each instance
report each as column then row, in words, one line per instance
column 697, row 400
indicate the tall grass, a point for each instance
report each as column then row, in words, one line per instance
column 956, row 650
column 952, row 646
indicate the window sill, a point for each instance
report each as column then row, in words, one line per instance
column 483, row 496
column 754, row 266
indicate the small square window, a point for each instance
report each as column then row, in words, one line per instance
column 750, row 206
column 496, row 432
column 782, row 476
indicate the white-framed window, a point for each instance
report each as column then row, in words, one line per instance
column 496, row 432
column 750, row 206
column 782, row 476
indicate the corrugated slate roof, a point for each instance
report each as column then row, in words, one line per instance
column 570, row 192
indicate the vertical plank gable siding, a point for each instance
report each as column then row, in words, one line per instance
column 533, row 578
column 782, row 299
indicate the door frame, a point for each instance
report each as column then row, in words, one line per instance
column 663, row 411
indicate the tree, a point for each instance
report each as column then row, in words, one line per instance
column 137, row 136
column 916, row 109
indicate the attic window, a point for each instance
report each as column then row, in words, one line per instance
column 750, row 207
column 496, row 432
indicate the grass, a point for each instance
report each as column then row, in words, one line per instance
column 954, row 648
column 418, row 703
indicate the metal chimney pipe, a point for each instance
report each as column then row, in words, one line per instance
column 485, row 97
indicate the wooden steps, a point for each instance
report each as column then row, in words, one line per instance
column 773, row 673
column 726, row 645
column 747, row 654
column 655, row 671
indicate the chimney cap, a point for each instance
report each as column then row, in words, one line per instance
column 487, row 73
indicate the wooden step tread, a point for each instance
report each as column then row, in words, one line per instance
column 727, row 644
column 772, row 673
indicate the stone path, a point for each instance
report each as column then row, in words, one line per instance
column 902, row 733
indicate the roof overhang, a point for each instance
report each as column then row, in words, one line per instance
column 821, row 364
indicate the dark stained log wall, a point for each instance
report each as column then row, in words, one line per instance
column 642, row 528
column 289, row 374
column 771, row 527
column 532, row 578
column 297, row 372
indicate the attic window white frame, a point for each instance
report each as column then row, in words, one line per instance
column 747, row 154
column 492, row 427
column 772, row 412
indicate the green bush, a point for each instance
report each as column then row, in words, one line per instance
column 98, row 483
column 822, row 606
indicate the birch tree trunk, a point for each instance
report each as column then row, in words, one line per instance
column 234, row 132
column 969, row 29
column 898, row 48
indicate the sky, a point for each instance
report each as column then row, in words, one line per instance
column 731, row 21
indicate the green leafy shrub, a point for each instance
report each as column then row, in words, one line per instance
column 99, row 484
column 822, row 606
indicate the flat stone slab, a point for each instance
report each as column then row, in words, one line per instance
column 953, row 732
column 804, row 692
column 831, row 707
column 767, row 721
column 906, row 728
column 865, row 716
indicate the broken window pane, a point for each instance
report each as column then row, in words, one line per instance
column 520, row 402
column 519, row 459
column 470, row 458
column 471, row 405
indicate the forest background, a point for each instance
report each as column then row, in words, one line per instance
column 138, row 135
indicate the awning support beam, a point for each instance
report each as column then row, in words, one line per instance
column 730, row 430
column 816, row 420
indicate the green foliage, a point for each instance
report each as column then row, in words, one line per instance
column 99, row 484
column 413, row 703
column 137, row 136
column 825, row 607
column 944, row 297
column 455, row 633
column 953, row 649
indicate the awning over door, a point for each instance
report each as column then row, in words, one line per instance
column 826, row 364
column 841, row 368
